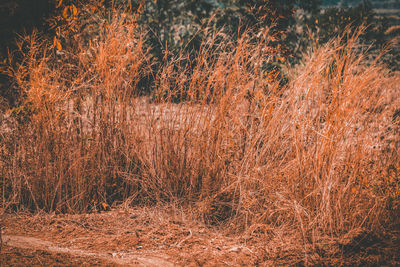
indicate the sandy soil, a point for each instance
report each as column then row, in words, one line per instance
column 162, row 237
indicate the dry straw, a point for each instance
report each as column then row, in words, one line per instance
column 240, row 147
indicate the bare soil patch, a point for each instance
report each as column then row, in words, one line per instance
column 13, row 256
column 163, row 237
column 119, row 237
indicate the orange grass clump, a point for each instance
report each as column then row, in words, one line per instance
column 319, row 154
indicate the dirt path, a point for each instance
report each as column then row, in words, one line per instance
column 121, row 237
column 162, row 237
column 120, row 258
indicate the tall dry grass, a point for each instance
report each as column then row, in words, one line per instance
column 319, row 154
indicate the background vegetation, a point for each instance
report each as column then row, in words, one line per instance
column 176, row 25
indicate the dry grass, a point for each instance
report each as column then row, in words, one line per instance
column 319, row 155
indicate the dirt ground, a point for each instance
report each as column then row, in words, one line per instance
column 165, row 237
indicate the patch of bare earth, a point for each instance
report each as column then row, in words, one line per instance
column 165, row 237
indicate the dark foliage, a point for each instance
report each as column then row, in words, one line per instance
column 16, row 18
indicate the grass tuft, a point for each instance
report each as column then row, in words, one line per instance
column 319, row 154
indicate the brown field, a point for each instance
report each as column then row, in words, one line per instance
column 222, row 164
